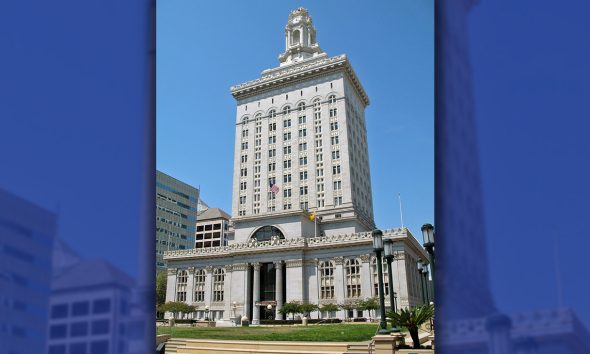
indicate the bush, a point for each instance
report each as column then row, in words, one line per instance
column 359, row 319
column 293, row 322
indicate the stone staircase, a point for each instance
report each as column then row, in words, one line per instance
column 204, row 346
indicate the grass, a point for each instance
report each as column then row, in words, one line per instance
column 311, row 333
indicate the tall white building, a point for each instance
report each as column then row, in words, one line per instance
column 301, row 128
column 302, row 205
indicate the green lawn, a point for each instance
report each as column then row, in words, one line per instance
column 311, row 333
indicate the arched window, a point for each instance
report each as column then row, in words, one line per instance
column 332, row 99
column 218, row 284
column 181, row 279
column 244, row 120
column 326, row 279
column 258, row 118
column 272, row 113
column 287, row 110
column 296, row 37
column 200, row 285
column 301, row 107
column 352, row 268
column 265, row 233
column 376, row 277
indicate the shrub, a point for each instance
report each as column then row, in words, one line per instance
column 176, row 307
column 412, row 319
column 359, row 319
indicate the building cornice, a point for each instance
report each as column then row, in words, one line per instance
column 273, row 78
column 291, row 244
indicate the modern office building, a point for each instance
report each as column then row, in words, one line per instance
column 213, row 228
column 26, row 246
column 302, row 204
column 176, row 215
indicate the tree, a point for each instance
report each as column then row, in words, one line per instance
column 161, row 280
column 412, row 319
column 329, row 308
column 370, row 304
column 348, row 305
column 307, row 308
column 176, row 307
column 291, row 307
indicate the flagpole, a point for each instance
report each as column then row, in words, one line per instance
column 401, row 215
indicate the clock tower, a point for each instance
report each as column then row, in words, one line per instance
column 300, row 38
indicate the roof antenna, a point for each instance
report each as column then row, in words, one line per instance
column 401, row 215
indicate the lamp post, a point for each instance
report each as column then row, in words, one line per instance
column 269, row 310
column 234, row 306
column 425, row 274
column 207, row 313
column 378, row 248
column 388, row 244
column 428, row 234
column 420, row 270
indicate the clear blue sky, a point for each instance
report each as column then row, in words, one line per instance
column 204, row 47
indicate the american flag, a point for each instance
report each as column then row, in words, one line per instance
column 274, row 188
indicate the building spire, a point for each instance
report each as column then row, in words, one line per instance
column 300, row 38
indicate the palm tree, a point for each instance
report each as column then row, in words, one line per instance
column 412, row 319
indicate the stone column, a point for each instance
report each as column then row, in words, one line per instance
column 339, row 287
column 256, row 294
column 279, row 289
column 208, row 285
column 366, row 277
column 227, row 309
column 170, row 288
column 190, row 285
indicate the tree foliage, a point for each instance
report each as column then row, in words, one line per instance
column 412, row 319
column 176, row 307
column 329, row 307
column 161, row 279
column 291, row 307
column 306, row 308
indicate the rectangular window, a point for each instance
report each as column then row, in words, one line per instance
column 287, row 178
column 242, row 186
column 287, row 164
column 244, row 158
column 320, row 172
column 303, row 175
column 286, row 150
column 287, row 206
column 287, row 136
column 303, row 190
column 243, row 200
column 333, row 112
column 303, row 161
column 286, row 193
column 320, row 187
column 337, row 185
column 303, row 147
column 318, row 129
column 336, row 169
column 286, row 123
column 243, row 172
column 272, row 127
column 302, row 120
column 304, row 205
column 272, row 139
column 335, row 154
column 272, row 153
column 302, row 133
column 245, row 145
column 335, row 140
column 319, row 157
column 272, row 181
column 271, row 167
column 318, row 143
column 334, row 126
column 337, row 201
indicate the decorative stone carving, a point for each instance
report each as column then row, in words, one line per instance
column 292, row 263
column 339, row 260
column 209, row 269
column 278, row 264
column 172, row 271
column 240, row 266
column 191, row 270
column 256, row 266
column 365, row 258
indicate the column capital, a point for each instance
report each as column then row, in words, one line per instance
column 339, row 260
column 191, row 270
column 365, row 257
column 278, row 264
column 228, row 268
column 209, row 269
column 172, row 271
column 256, row 266
column 240, row 266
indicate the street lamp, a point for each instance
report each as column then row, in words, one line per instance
column 269, row 310
column 425, row 273
column 428, row 234
column 378, row 248
column 207, row 313
column 420, row 270
column 389, row 257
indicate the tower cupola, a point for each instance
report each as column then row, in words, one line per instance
column 300, row 38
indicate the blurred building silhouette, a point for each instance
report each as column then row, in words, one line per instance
column 90, row 306
column 27, row 234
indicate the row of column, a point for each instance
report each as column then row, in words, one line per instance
column 256, row 290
